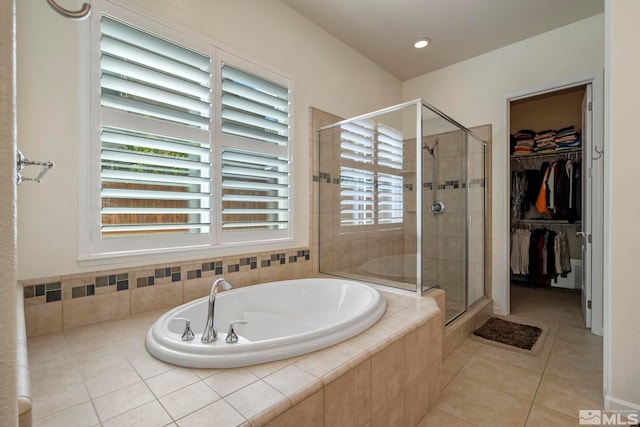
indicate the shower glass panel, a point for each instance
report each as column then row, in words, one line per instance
column 400, row 210
column 365, row 230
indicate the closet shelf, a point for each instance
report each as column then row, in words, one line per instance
column 555, row 155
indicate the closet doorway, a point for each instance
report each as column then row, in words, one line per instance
column 556, row 199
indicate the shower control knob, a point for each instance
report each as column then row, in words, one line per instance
column 437, row 207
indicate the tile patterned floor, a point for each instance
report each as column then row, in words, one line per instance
column 491, row 386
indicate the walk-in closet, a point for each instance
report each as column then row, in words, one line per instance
column 550, row 199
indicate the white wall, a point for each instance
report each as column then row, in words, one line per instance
column 328, row 75
column 474, row 92
column 622, row 296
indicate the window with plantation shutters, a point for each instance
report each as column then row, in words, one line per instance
column 255, row 147
column 190, row 145
column 155, row 133
column 371, row 186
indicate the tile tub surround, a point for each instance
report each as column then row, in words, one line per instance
column 101, row 374
column 56, row 303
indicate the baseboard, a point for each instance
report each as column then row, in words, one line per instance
column 614, row 404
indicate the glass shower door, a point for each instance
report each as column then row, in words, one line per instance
column 444, row 211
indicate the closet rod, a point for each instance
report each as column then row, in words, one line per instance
column 551, row 222
column 556, row 154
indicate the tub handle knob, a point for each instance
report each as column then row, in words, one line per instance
column 188, row 334
column 231, row 334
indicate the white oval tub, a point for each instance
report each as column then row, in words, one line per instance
column 286, row 319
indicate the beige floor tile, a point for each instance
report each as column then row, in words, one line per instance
column 170, row 381
column 82, row 415
column 579, row 335
column 456, row 360
column 54, row 396
column 121, row 401
column 219, row 414
column 145, row 364
column 206, row 373
column 189, row 399
column 520, row 382
column 110, row 380
column 56, row 377
column 579, row 351
column 566, row 396
column 516, row 358
column 97, row 365
column 151, row 414
column 440, row 418
column 48, row 348
column 229, row 381
column 256, row 398
column 481, row 405
column 576, row 371
column 543, row 417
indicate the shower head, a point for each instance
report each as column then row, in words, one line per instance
column 431, row 150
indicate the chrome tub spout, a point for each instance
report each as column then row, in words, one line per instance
column 210, row 334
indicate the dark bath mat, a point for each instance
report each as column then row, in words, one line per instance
column 510, row 333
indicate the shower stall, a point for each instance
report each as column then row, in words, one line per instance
column 402, row 203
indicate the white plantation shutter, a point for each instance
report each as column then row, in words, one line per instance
column 372, row 190
column 255, row 153
column 356, row 196
column 155, row 132
column 357, row 141
column 255, row 191
column 390, row 147
column 390, row 185
column 390, row 199
column 253, row 107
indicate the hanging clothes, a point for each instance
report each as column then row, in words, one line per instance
column 540, row 254
column 560, row 192
column 562, row 256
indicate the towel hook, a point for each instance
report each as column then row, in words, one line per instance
column 76, row 16
column 22, row 161
column 599, row 152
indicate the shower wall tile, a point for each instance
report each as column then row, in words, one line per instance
column 451, row 224
column 451, row 248
column 450, row 272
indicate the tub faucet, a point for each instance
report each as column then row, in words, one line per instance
column 210, row 334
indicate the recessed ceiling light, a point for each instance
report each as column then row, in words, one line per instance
column 421, row 43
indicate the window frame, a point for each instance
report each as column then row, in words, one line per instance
column 93, row 249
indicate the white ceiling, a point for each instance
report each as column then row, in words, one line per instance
column 384, row 30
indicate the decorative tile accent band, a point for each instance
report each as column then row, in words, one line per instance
column 454, row 184
column 72, row 287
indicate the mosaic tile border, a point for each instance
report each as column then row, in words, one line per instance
column 52, row 290
column 448, row 185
